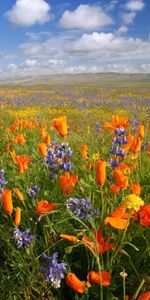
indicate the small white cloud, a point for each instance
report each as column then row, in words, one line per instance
column 85, row 16
column 29, row 12
column 11, row 67
column 123, row 29
column 56, row 62
column 29, row 63
column 135, row 5
column 128, row 18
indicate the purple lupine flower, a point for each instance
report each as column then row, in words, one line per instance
column 134, row 122
column 81, row 208
column 33, row 190
column 98, row 126
column 120, row 140
column 53, row 271
column 118, row 151
column 114, row 162
column 58, row 157
column 120, row 131
column 2, row 178
column 22, row 238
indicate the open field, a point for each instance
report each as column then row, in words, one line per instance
column 74, row 180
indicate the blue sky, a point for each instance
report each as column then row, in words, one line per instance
column 53, row 37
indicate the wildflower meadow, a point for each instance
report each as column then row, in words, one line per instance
column 75, row 191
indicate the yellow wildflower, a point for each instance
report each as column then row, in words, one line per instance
column 133, row 201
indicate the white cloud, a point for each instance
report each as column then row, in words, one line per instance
column 11, row 67
column 135, row 5
column 109, row 46
column 128, row 18
column 86, row 17
column 29, row 12
column 123, row 29
column 56, row 62
column 29, row 63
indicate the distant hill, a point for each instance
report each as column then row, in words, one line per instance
column 90, row 79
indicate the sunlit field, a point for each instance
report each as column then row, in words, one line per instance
column 75, row 191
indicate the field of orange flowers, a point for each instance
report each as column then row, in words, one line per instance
column 74, row 193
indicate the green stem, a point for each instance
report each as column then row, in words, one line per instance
column 124, row 288
column 102, row 201
column 138, row 290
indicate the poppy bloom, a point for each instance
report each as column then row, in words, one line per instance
column 101, row 172
column 23, row 162
column 118, row 218
column 115, row 189
column 135, row 188
column 13, row 155
column 20, row 139
column 7, row 148
column 42, row 149
column 68, row 182
column 19, row 194
column 103, row 278
column 7, row 201
column 75, row 283
column 144, row 214
column 137, row 146
column 61, row 125
column 47, row 140
column 17, row 220
column 141, row 131
column 70, row 238
column 122, row 180
column 43, row 132
column 102, row 246
column 84, row 149
column 117, row 122
column 44, row 206
column 145, row 296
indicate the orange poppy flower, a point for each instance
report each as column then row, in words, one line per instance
column 122, row 180
column 73, row 281
column 149, row 149
column 13, row 155
column 137, row 145
column 61, row 125
column 68, row 182
column 42, row 149
column 115, row 189
column 7, row 201
column 44, row 206
column 130, row 139
column 84, row 149
column 43, row 131
column 19, row 194
column 117, row 122
column 135, row 188
column 145, row 296
column 118, row 218
column 144, row 214
column 17, row 220
column 70, row 238
column 23, row 162
column 101, row 244
column 20, row 139
column 103, row 278
column 141, row 131
column 7, row 148
column 47, row 140
column 101, row 172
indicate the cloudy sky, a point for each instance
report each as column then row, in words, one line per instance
column 56, row 36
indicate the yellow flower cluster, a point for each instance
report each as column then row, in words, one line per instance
column 133, row 202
